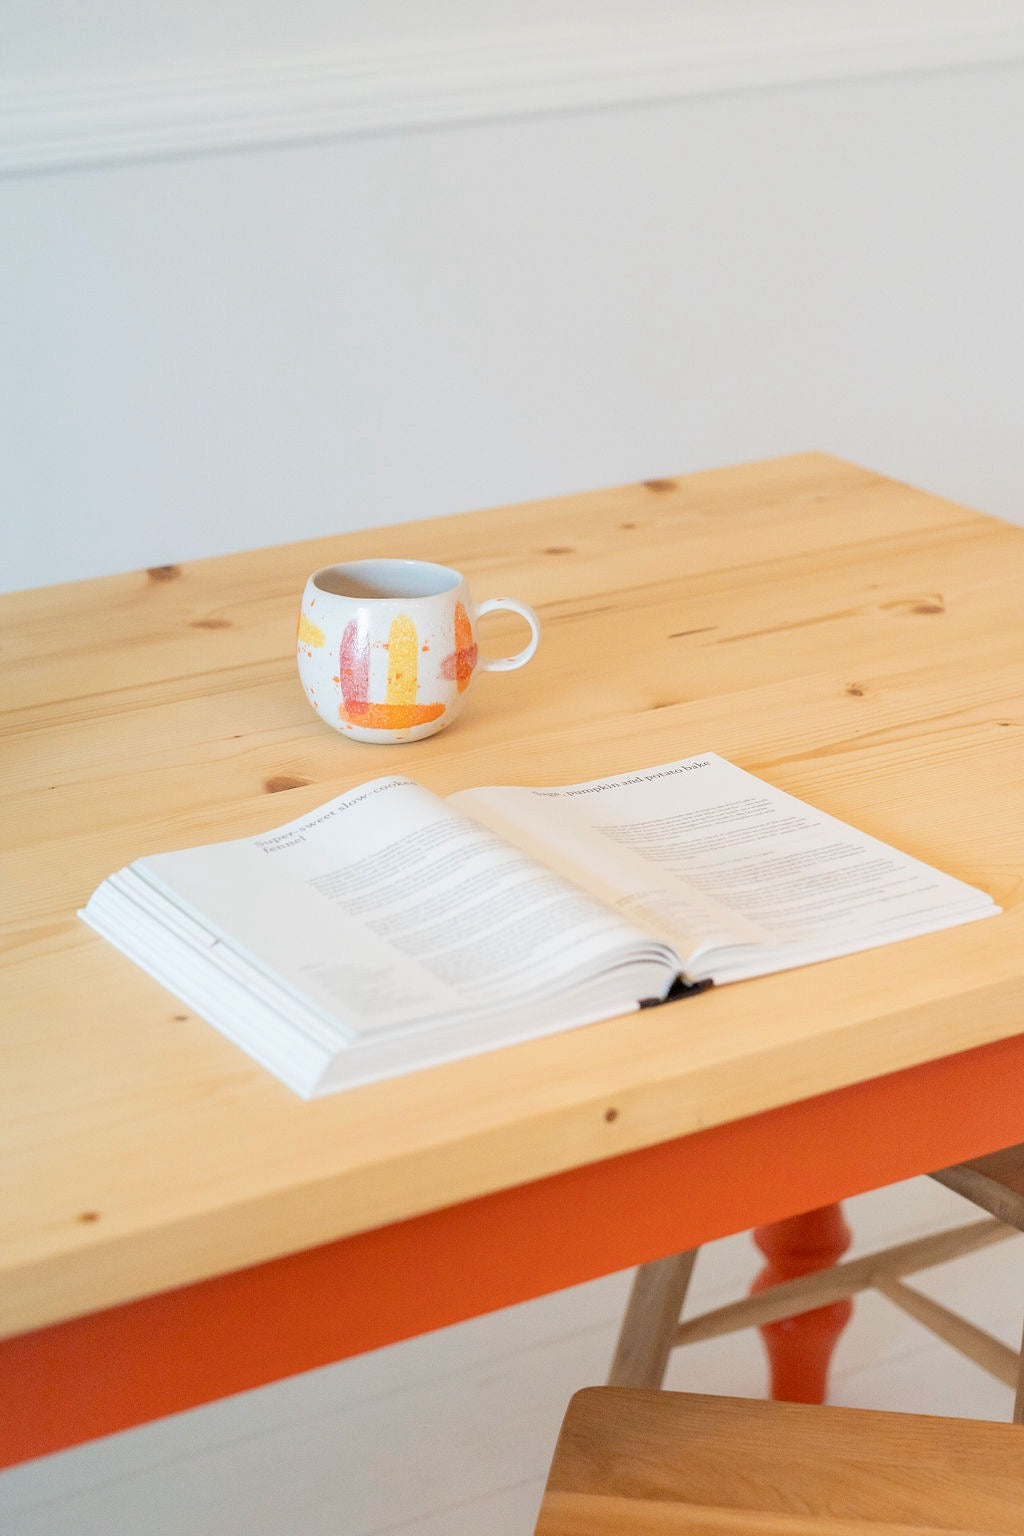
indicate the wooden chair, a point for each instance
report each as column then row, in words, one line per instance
column 636, row 1463
column 651, row 1328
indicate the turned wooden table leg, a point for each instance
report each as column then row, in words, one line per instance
column 800, row 1348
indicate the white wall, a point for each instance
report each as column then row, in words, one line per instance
column 238, row 348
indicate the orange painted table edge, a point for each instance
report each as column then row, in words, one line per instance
column 113, row 1369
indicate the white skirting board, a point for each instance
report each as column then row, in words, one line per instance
column 439, row 74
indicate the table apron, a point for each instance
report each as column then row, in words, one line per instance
column 129, row 1364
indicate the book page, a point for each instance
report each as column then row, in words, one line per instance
column 769, row 869
column 386, row 907
column 564, row 828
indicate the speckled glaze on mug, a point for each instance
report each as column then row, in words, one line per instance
column 387, row 648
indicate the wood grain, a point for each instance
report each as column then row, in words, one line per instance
column 852, row 640
column 597, row 1514
column 675, row 1462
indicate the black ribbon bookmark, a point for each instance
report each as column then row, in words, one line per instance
column 679, row 988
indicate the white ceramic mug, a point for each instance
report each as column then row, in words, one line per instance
column 387, row 648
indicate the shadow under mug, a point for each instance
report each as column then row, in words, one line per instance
column 387, row 648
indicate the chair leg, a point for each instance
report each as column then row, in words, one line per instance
column 649, row 1325
column 1018, row 1407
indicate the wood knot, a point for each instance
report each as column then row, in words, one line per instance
column 210, row 623
column 282, row 781
column 931, row 602
column 559, row 549
column 658, row 486
column 164, row 572
column 855, row 690
column 89, row 1216
column 611, row 1115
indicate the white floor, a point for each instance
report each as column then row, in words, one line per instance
column 450, row 1434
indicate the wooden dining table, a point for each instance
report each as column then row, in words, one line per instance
column 176, row 1225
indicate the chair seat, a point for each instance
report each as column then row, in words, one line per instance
column 634, row 1462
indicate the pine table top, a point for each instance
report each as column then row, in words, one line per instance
column 856, row 642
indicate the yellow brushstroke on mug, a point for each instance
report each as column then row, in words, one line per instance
column 310, row 634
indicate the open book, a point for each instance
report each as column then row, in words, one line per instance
column 392, row 929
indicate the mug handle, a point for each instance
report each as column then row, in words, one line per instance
column 510, row 663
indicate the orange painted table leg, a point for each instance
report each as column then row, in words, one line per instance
column 800, row 1348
